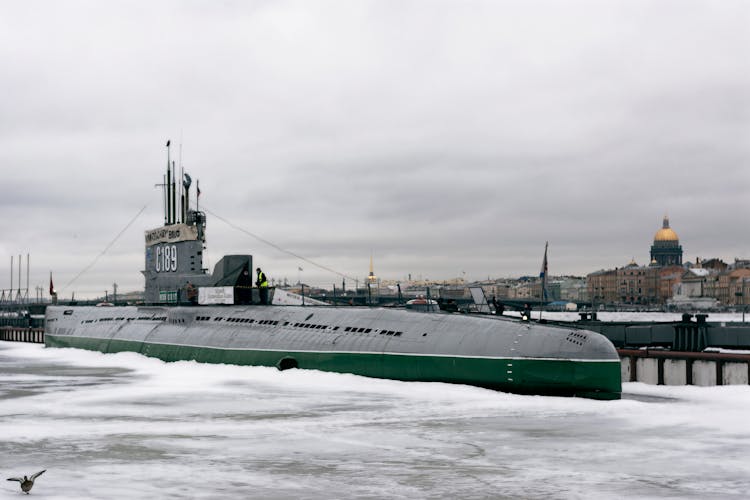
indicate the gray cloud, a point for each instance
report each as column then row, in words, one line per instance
column 441, row 137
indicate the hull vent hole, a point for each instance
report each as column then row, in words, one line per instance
column 286, row 364
column 577, row 338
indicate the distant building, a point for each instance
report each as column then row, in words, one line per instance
column 693, row 283
column 524, row 289
column 634, row 284
column 704, row 284
column 499, row 289
column 642, row 285
column 602, row 286
column 668, row 281
column 693, row 292
column 715, row 264
column 637, row 284
column 666, row 250
column 732, row 286
column 574, row 290
column 552, row 290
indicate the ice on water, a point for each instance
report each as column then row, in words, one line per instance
column 125, row 426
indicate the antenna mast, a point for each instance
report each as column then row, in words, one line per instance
column 174, row 195
column 183, row 208
column 164, row 196
column 168, row 212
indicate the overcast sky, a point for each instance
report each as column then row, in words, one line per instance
column 443, row 137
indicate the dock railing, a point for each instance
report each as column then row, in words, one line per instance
column 16, row 334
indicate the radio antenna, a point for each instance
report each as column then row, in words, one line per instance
column 168, row 213
column 183, row 208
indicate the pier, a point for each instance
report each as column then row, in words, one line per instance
column 661, row 367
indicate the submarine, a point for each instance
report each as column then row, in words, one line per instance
column 218, row 317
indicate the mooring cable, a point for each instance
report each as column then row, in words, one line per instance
column 277, row 247
column 96, row 259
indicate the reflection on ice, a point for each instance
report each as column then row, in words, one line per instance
column 126, row 426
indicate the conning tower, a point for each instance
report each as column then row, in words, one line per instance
column 174, row 252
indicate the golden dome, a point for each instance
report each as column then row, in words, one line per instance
column 666, row 233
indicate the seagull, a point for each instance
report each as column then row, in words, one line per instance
column 27, row 482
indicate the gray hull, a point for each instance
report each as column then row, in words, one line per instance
column 492, row 352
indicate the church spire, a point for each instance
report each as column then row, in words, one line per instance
column 371, row 277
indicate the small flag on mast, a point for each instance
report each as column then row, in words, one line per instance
column 51, row 286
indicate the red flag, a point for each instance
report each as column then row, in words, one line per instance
column 51, row 286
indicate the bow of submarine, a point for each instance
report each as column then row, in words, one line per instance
column 564, row 361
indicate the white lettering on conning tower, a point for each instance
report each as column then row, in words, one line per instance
column 166, row 258
column 171, row 234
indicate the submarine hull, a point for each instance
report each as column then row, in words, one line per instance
column 491, row 352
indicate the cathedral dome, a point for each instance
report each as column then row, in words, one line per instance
column 666, row 250
column 666, row 233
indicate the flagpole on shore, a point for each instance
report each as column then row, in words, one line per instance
column 543, row 275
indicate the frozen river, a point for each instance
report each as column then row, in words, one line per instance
column 122, row 426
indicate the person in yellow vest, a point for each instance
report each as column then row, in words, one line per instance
column 262, row 283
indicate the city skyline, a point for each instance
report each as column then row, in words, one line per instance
column 39, row 290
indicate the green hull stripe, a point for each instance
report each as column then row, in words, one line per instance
column 533, row 375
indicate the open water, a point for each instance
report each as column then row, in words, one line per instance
column 122, row 426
